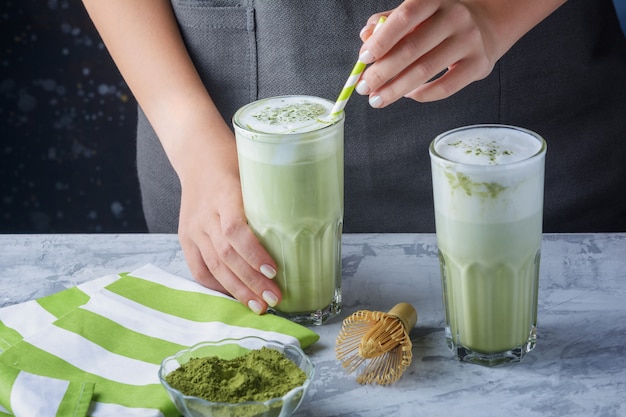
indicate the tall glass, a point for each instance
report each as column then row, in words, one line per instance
column 291, row 168
column 488, row 197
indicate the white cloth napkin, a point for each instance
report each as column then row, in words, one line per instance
column 95, row 349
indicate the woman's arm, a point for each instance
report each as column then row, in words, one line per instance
column 145, row 42
column 422, row 38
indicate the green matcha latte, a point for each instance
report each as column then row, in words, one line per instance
column 291, row 168
column 488, row 197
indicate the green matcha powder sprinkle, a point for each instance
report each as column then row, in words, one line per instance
column 292, row 113
column 490, row 149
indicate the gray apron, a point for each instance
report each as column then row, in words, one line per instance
column 566, row 79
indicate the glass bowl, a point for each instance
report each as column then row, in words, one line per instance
column 191, row 406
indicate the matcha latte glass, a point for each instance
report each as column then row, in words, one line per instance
column 488, row 197
column 291, row 168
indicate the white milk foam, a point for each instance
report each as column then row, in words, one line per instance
column 285, row 115
column 488, row 146
column 488, row 175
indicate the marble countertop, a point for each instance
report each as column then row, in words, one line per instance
column 577, row 369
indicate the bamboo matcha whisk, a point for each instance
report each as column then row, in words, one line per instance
column 378, row 341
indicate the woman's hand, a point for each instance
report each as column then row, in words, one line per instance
column 428, row 50
column 220, row 249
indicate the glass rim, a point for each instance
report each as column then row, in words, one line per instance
column 539, row 154
column 261, row 136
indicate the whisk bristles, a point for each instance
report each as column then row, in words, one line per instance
column 378, row 343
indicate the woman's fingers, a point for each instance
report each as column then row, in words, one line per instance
column 399, row 23
column 239, row 236
column 244, row 258
column 407, row 65
column 432, row 60
column 218, row 266
column 457, row 77
column 221, row 250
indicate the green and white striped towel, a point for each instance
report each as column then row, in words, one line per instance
column 95, row 349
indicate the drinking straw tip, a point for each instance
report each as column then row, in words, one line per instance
column 330, row 117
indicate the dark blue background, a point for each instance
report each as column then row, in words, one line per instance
column 67, row 123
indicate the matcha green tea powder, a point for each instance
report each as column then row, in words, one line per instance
column 259, row 375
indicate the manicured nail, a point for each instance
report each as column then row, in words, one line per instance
column 362, row 88
column 268, row 271
column 270, row 298
column 376, row 101
column 366, row 27
column 255, row 306
column 366, row 57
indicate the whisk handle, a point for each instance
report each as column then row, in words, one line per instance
column 406, row 314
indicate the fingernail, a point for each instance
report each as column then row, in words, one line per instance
column 362, row 88
column 363, row 30
column 268, row 271
column 255, row 306
column 366, row 27
column 366, row 57
column 376, row 101
column 270, row 298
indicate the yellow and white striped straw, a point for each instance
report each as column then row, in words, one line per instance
column 348, row 88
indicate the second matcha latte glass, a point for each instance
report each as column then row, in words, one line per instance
column 488, row 194
column 291, row 169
